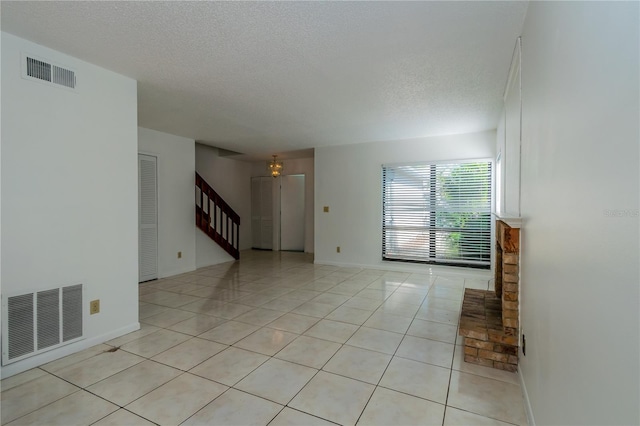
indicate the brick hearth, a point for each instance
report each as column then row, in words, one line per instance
column 489, row 319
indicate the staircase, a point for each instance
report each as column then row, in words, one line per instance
column 216, row 218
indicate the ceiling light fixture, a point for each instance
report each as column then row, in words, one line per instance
column 275, row 166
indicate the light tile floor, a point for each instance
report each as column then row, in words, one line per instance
column 275, row 339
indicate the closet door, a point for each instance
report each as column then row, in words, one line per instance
column 262, row 213
column 292, row 213
column 147, row 218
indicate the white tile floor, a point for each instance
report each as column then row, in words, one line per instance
column 274, row 339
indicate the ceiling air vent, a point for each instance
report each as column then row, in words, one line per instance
column 43, row 70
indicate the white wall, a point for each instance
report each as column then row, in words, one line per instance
column 69, row 191
column 349, row 181
column 208, row 252
column 294, row 166
column 580, row 200
column 231, row 179
column 176, row 201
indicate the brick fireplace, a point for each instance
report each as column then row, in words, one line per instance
column 489, row 322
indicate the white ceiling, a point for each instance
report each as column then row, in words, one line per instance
column 272, row 77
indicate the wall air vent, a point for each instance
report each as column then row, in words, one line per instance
column 39, row 321
column 45, row 71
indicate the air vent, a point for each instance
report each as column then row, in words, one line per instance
column 38, row 69
column 48, row 318
column 64, row 77
column 20, row 331
column 40, row 321
column 43, row 70
column 71, row 312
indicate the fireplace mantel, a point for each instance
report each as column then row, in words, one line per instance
column 512, row 221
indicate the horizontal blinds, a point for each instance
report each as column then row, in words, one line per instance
column 437, row 213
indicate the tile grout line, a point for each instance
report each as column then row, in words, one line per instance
column 387, row 367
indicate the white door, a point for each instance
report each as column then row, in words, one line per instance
column 292, row 213
column 147, row 218
column 262, row 213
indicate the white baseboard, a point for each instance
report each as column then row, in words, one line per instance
column 527, row 404
column 412, row 268
column 166, row 274
column 214, row 262
column 45, row 357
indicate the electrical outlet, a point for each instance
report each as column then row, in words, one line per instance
column 524, row 345
column 179, row 255
column 94, row 306
column 338, row 249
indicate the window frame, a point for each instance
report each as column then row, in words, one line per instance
column 484, row 247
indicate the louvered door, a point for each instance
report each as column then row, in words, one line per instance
column 147, row 218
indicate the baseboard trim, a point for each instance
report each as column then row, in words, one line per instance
column 166, row 274
column 412, row 268
column 527, row 404
column 215, row 262
column 43, row 358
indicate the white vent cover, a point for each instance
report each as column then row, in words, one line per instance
column 40, row 321
column 34, row 68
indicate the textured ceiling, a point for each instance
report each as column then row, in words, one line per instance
column 271, row 77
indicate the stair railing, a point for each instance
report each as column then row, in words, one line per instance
column 216, row 218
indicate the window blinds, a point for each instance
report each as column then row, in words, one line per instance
column 437, row 213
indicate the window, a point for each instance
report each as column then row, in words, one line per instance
column 437, row 213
